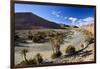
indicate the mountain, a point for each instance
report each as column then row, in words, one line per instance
column 28, row 20
column 64, row 26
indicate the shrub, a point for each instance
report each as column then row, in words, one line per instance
column 16, row 37
column 39, row 58
column 35, row 38
column 24, row 52
column 32, row 61
column 24, row 63
column 56, row 55
column 39, row 37
column 70, row 49
column 30, row 37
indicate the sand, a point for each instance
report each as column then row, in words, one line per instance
column 46, row 50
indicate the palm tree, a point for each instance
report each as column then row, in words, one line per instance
column 23, row 52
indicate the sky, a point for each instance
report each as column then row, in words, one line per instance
column 69, row 15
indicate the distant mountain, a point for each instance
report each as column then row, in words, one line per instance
column 64, row 25
column 75, row 26
column 28, row 20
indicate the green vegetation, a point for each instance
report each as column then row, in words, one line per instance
column 70, row 49
column 38, row 37
column 56, row 40
column 30, row 36
column 24, row 52
column 16, row 37
column 56, row 55
column 32, row 61
column 38, row 58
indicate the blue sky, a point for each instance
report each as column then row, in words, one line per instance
column 70, row 15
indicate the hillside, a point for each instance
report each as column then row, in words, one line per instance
column 28, row 20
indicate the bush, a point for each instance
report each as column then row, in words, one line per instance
column 16, row 37
column 24, row 63
column 56, row 55
column 70, row 49
column 35, row 38
column 32, row 61
column 39, row 37
column 30, row 37
column 39, row 58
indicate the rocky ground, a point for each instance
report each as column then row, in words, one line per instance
column 46, row 50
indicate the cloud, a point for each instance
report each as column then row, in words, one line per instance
column 88, row 19
column 80, row 22
column 85, row 21
column 56, row 13
column 73, row 20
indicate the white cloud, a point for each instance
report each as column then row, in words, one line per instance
column 73, row 20
column 88, row 19
column 56, row 13
column 85, row 21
